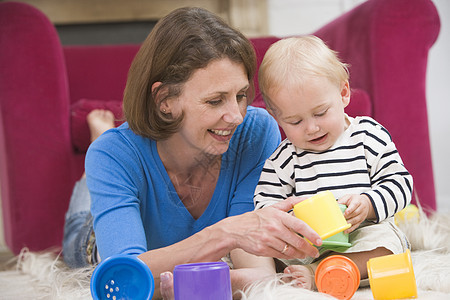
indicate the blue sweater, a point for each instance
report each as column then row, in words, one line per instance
column 134, row 204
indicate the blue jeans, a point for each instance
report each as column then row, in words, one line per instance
column 79, row 249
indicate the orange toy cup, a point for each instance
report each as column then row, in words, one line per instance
column 337, row 276
column 392, row 276
column 322, row 213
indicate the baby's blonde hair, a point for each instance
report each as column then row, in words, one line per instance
column 291, row 60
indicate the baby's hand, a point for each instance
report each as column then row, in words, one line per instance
column 358, row 209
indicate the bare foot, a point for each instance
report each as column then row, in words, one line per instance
column 166, row 286
column 99, row 120
column 301, row 275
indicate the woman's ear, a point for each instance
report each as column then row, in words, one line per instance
column 160, row 97
column 345, row 93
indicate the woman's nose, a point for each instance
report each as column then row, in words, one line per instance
column 233, row 113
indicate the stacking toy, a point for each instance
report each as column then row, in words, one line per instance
column 337, row 276
column 122, row 277
column 322, row 213
column 408, row 214
column 392, row 276
column 206, row 281
column 338, row 242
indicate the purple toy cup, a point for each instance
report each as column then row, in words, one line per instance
column 208, row 280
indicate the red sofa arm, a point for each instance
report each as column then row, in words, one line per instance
column 34, row 131
column 386, row 43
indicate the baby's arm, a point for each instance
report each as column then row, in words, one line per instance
column 391, row 182
column 274, row 185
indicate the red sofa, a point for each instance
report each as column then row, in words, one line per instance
column 47, row 89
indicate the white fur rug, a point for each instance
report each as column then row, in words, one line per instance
column 45, row 276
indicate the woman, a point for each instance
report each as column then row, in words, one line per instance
column 175, row 183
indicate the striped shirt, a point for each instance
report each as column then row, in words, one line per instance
column 364, row 160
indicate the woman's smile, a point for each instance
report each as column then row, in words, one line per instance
column 221, row 135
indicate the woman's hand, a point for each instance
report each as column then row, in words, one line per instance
column 359, row 208
column 272, row 232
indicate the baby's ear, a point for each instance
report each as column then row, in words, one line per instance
column 345, row 93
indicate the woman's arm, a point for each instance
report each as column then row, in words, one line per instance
column 262, row 233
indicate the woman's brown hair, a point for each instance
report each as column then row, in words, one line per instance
column 185, row 40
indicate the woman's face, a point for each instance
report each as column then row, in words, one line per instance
column 214, row 103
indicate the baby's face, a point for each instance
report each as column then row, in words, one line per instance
column 312, row 115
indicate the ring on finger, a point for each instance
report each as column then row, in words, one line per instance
column 286, row 246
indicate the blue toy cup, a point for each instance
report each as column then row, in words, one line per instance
column 122, row 277
column 206, row 281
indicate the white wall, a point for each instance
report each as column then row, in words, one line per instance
column 438, row 96
column 290, row 17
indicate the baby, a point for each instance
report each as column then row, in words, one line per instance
column 306, row 89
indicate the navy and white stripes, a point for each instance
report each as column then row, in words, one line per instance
column 363, row 160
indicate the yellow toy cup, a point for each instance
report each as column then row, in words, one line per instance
column 322, row 213
column 407, row 215
column 392, row 276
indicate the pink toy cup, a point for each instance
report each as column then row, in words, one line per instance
column 208, row 280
